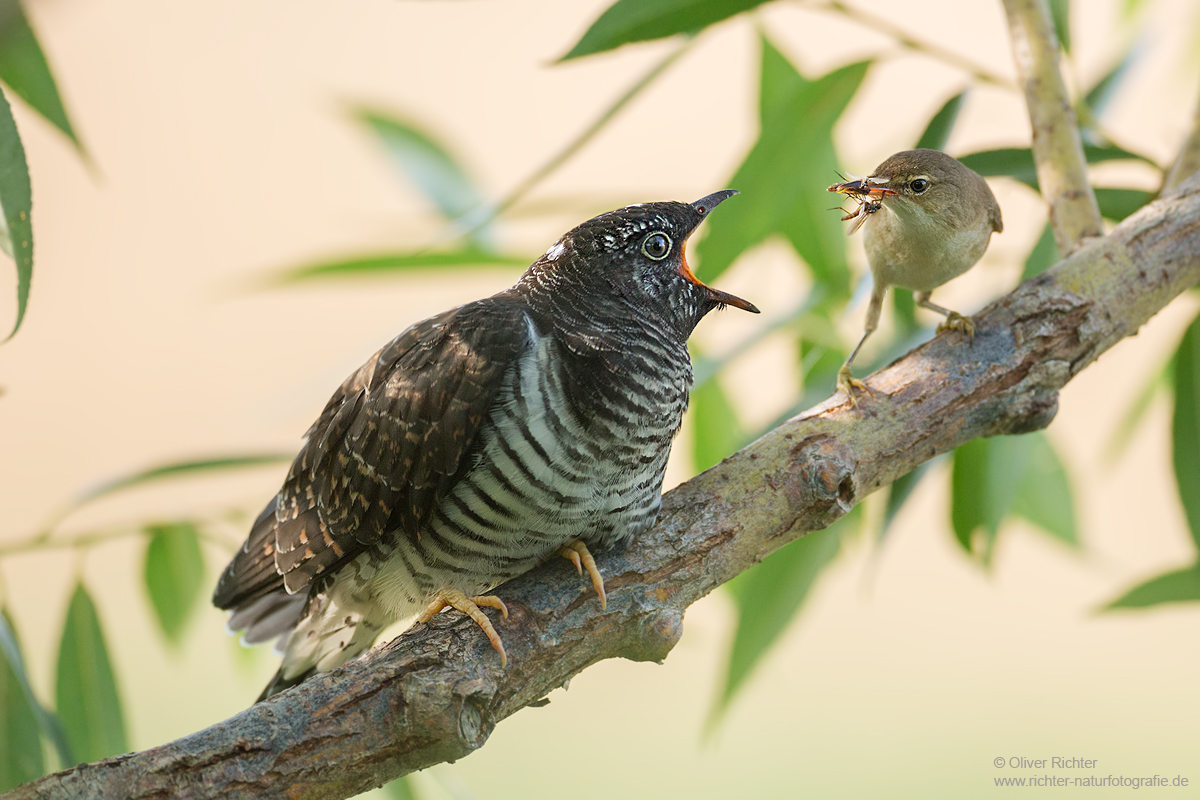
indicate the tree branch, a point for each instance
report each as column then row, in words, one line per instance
column 435, row 693
column 1057, row 146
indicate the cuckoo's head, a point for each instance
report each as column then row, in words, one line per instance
column 634, row 258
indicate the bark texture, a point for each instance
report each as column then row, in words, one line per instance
column 436, row 693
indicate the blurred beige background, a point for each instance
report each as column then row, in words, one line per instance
column 223, row 151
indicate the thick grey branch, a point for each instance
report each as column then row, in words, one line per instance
column 1057, row 146
column 436, row 693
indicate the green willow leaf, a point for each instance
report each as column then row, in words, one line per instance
column 898, row 494
column 1161, row 380
column 1185, row 425
column 716, row 432
column 937, row 132
column 1017, row 162
column 374, row 266
column 768, row 597
column 985, row 480
column 434, row 171
column 778, row 82
column 794, row 153
column 174, row 573
column 51, row 728
column 1044, row 495
column 1117, row 204
column 1102, row 93
column 23, row 67
column 16, row 201
column 1181, row 586
column 1044, row 254
column 628, row 21
column 86, row 692
column 180, row 469
column 20, row 742
column 1060, row 12
column 401, row 789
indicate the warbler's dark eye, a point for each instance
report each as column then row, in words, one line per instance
column 657, row 246
column 918, row 185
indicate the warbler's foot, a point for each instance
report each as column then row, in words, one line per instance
column 849, row 384
column 957, row 322
column 577, row 553
column 453, row 598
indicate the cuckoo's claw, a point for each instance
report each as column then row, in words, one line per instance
column 849, row 384
column 577, row 553
column 957, row 322
column 453, row 598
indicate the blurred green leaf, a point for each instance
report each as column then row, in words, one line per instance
column 401, row 789
column 716, row 432
column 51, row 728
column 86, row 692
column 821, row 351
column 182, row 469
column 403, row 262
column 1044, row 495
column 1101, row 94
column 434, row 171
column 628, row 21
column 793, row 156
column 1060, row 12
column 23, row 67
column 768, row 596
column 937, row 132
column 1117, row 204
column 905, row 308
column 1163, row 379
column 1181, row 586
column 705, row 368
column 1131, row 8
column 20, row 741
column 1044, row 254
column 778, row 82
column 1185, row 425
column 16, row 201
column 986, row 478
column 1017, row 162
column 898, row 494
column 174, row 571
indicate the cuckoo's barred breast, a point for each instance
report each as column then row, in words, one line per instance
column 481, row 441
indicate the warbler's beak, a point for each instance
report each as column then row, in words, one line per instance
column 705, row 205
column 864, row 188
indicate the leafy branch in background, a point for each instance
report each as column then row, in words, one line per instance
column 87, row 723
column 23, row 68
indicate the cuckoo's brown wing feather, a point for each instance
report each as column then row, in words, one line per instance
column 391, row 442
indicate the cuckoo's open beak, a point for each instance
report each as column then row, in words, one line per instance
column 705, row 205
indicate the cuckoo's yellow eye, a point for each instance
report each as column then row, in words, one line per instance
column 657, row 246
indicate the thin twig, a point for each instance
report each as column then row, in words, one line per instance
column 911, row 42
column 1057, row 145
column 1187, row 163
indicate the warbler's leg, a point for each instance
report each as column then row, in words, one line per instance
column 954, row 321
column 453, row 598
column 577, row 553
column 846, row 382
